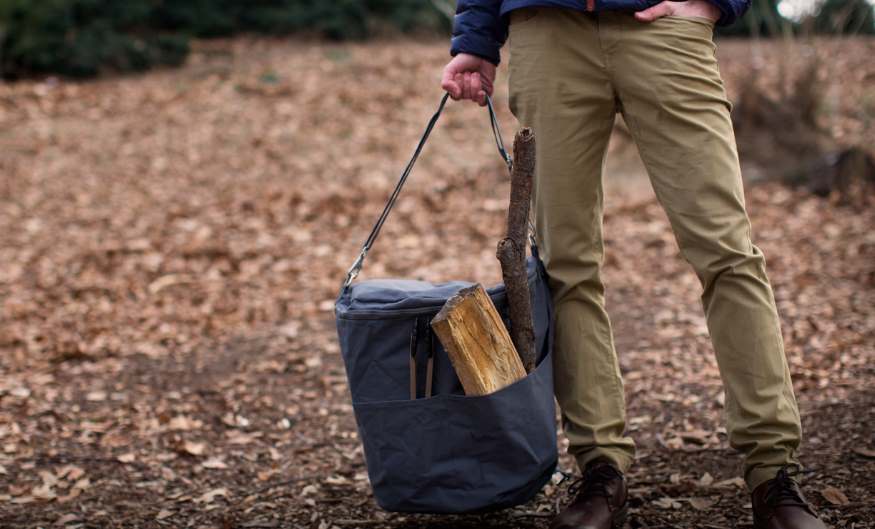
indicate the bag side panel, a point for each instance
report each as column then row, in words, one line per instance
column 455, row 454
column 449, row 453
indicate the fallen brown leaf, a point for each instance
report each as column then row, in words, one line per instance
column 43, row 492
column 732, row 482
column 701, row 504
column 214, row 463
column 74, row 493
column 184, row 423
column 193, row 448
column 834, row 496
column 209, row 497
column 67, row 518
column 699, row 437
column 667, row 503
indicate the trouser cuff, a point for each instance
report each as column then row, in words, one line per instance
column 759, row 475
column 621, row 458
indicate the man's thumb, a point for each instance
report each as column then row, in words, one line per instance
column 652, row 13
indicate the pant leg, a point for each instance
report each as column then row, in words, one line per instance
column 559, row 88
column 673, row 99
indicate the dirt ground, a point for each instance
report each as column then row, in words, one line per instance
column 171, row 245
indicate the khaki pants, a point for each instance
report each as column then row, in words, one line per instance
column 570, row 73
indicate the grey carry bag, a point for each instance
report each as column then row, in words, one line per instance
column 429, row 448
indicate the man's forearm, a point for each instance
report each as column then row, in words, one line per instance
column 478, row 29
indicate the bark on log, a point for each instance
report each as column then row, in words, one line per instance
column 477, row 342
column 511, row 251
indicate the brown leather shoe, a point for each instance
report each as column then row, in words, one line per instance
column 600, row 501
column 779, row 504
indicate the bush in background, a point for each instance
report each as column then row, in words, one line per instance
column 81, row 38
column 762, row 18
column 337, row 19
column 845, row 17
column 831, row 17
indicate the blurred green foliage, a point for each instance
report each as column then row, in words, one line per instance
column 762, row 18
column 845, row 17
column 832, row 17
column 81, row 38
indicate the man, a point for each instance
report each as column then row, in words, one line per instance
column 573, row 65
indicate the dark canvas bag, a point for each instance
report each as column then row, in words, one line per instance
column 447, row 453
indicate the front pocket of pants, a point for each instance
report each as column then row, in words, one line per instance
column 688, row 32
column 697, row 20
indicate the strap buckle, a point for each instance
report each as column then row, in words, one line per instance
column 354, row 270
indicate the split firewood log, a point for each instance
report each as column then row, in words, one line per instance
column 477, row 342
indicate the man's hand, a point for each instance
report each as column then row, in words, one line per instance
column 469, row 77
column 690, row 8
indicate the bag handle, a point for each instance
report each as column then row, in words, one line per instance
column 375, row 231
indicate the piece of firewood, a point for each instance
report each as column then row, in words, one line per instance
column 477, row 342
column 511, row 251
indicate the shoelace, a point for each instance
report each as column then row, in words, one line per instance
column 784, row 490
column 595, row 481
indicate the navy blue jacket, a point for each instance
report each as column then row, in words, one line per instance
column 480, row 26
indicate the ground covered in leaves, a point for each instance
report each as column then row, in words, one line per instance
column 171, row 245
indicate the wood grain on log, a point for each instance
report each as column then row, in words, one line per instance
column 511, row 251
column 477, row 342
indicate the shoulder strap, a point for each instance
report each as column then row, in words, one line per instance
column 375, row 231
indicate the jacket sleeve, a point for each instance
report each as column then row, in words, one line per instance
column 730, row 10
column 479, row 29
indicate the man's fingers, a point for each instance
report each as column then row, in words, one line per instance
column 479, row 90
column 453, row 89
column 475, row 83
column 468, row 77
column 460, row 78
column 652, row 13
column 476, row 87
column 487, row 84
column 449, row 84
column 464, row 81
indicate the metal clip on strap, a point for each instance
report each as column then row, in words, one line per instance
column 375, row 231
column 496, row 132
